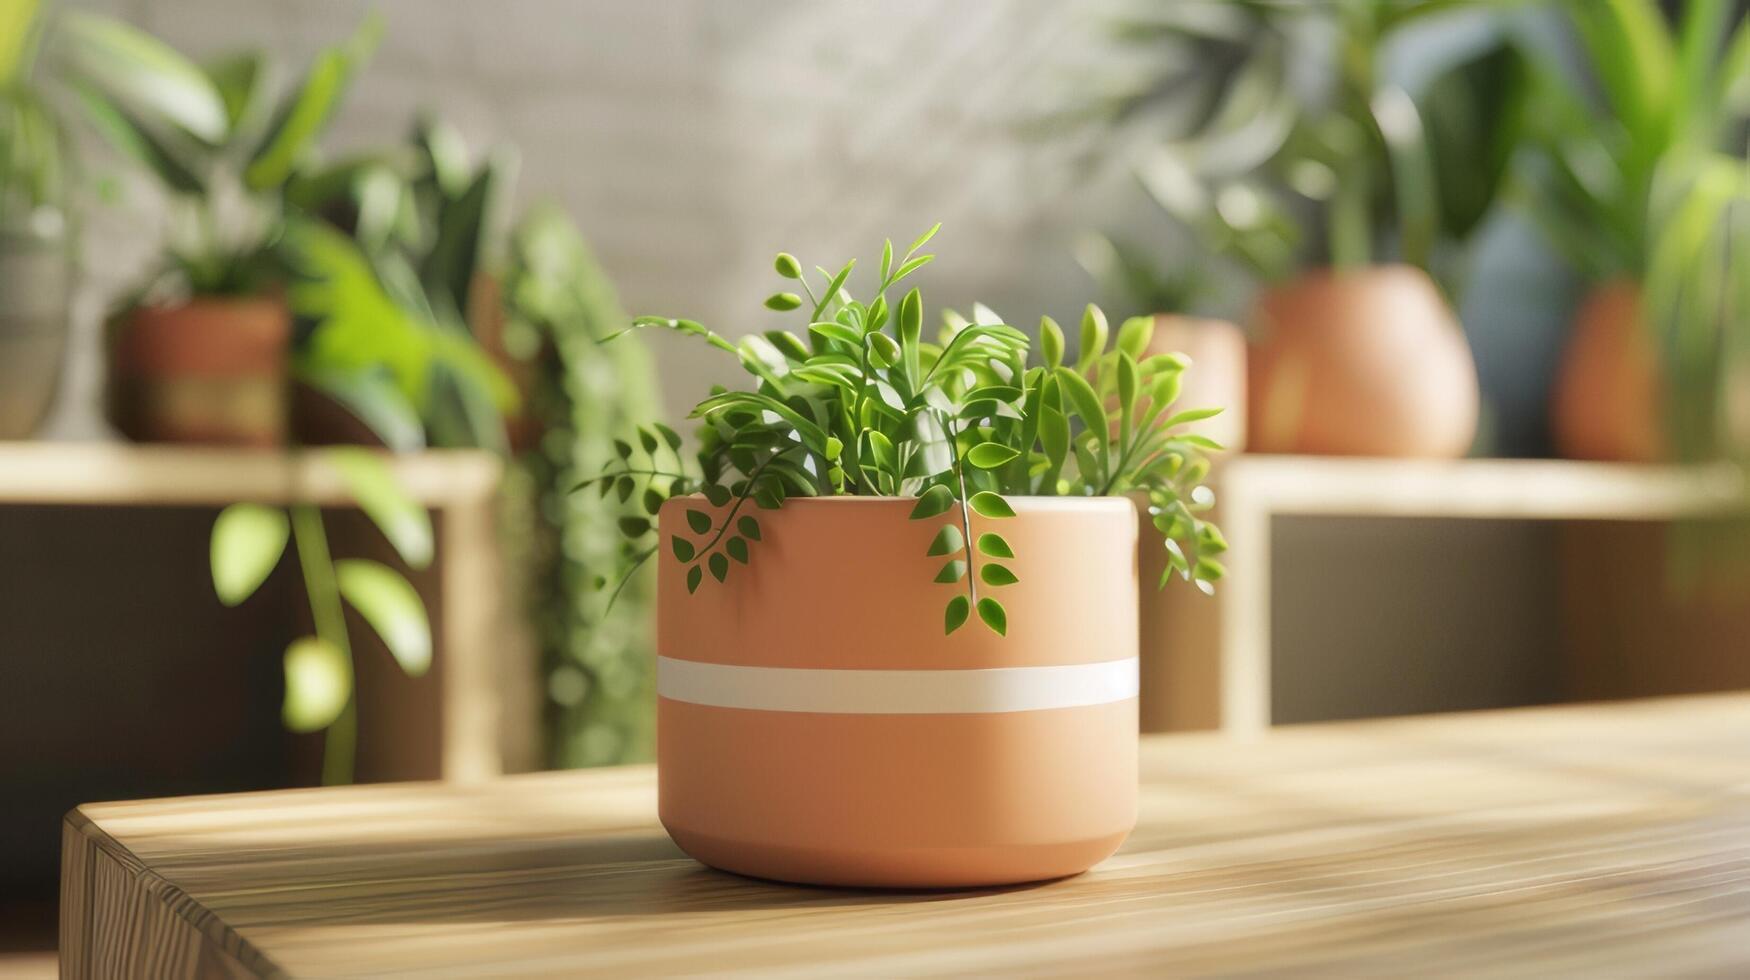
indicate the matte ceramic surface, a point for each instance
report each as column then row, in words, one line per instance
column 1363, row 362
column 1607, row 402
column 208, row 371
column 936, row 799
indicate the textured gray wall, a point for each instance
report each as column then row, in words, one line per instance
column 693, row 139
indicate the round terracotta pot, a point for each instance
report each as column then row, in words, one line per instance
column 1363, row 362
column 1607, row 403
column 212, row 371
column 1217, row 376
column 814, row 724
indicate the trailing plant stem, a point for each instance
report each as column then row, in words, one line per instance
column 965, row 517
column 340, row 745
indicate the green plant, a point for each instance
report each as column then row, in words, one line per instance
column 216, row 137
column 1637, row 170
column 248, row 540
column 1287, row 142
column 421, row 214
column 1651, row 94
column 597, row 654
column 33, row 142
column 866, row 406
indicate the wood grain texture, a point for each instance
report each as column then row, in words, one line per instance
column 1609, row 840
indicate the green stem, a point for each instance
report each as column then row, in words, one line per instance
column 965, row 517
column 729, row 519
column 340, row 745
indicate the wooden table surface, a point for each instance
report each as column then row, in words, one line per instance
column 1598, row 840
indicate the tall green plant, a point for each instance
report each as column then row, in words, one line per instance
column 597, row 654
column 1284, row 141
column 866, row 406
column 33, row 142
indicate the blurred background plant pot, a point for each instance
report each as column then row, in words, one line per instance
column 1607, row 401
column 1217, row 376
column 36, row 279
column 211, row 370
column 916, row 792
column 1362, row 362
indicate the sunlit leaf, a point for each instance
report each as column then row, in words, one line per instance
column 392, row 607
column 247, row 542
column 318, row 684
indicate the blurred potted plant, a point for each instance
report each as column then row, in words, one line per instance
column 199, row 354
column 1611, row 157
column 923, row 569
column 1296, row 154
column 36, row 260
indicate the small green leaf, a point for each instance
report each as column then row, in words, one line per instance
column 717, row 494
column 683, row 549
column 694, row 576
column 1134, row 335
column 990, row 455
column 787, row 266
column 935, row 500
column 632, row 527
column 247, row 542
column 624, row 448
column 669, row 435
column 647, row 439
column 699, row 521
column 653, row 500
column 783, row 302
column 911, row 317
column 1093, row 339
column 1050, row 342
column 994, row 616
column 989, row 504
column 318, row 684
column 838, row 332
column 947, row 541
column 924, row 238
column 955, row 617
column 952, row 572
column 994, row 574
column 624, row 486
column 719, row 565
column 737, row 548
column 749, row 528
column 397, row 515
column 834, row 447
column 392, row 607
column 995, row 545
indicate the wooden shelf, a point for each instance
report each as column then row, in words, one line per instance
column 1212, row 660
column 124, row 474
column 1484, row 488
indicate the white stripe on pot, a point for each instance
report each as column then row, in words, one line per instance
column 896, row 692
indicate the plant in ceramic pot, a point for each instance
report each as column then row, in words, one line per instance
column 1295, row 150
column 897, row 595
column 199, row 354
column 1657, row 115
column 36, row 261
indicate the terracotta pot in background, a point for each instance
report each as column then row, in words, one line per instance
column 1607, row 403
column 210, row 371
column 1364, row 362
column 1217, row 376
column 945, row 761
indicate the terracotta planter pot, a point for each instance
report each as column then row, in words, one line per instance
column 1367, row 362
column 1608, row 401
column 209, row 371
column 815, row 725
column 1217, row 376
